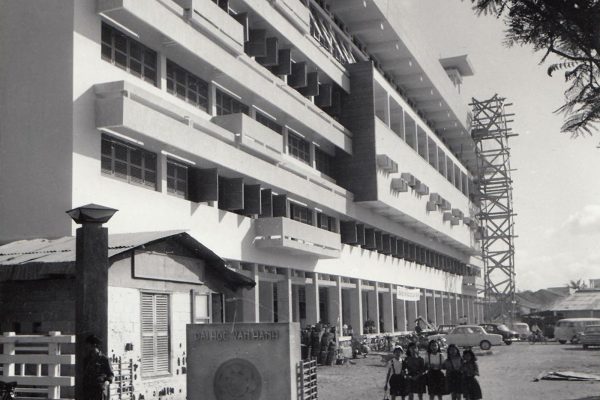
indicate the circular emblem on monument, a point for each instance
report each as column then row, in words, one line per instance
column 237, row 379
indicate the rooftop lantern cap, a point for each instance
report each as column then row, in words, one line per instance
column 91, row 213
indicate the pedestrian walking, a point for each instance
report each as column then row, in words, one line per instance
column 97, row 373
column 436, row 381
column 396, row 375
column 415, row 372
column 471, row 388
column 453, row 367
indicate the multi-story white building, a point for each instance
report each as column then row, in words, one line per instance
column 312, row 144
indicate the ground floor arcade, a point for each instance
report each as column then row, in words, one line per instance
column 288, row 295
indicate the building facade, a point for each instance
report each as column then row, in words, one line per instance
column 311, row 144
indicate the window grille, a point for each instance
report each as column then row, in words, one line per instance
column 127, row 162
column 298, row 148
column 177, row 178
column 268, row 122
column 129, row 54
column 187, row 86
column 301, row 213
column 226, row 104
column 323, row 162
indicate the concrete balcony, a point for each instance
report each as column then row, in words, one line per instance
column 293, row 237
column 156, row 21
column 253, row 135
column 211, row 19
column 295, row 12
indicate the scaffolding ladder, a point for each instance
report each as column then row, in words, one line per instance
column 493, row 192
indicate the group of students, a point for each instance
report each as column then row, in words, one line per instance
column 415, row 375
column 318, row 342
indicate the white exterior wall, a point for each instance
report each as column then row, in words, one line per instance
column 36, row 146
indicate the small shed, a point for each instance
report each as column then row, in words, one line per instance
column 158, row 283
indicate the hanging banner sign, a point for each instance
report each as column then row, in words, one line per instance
column 406, row 294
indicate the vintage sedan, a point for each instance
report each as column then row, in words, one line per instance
column 590, row 336
column 473, row 336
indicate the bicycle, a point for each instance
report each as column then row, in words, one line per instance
column 537, row 338
column 7, row 390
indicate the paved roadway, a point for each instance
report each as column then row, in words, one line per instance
column 507, row 373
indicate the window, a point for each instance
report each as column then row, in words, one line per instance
column 201, row 309
column 301, row 213
column 323, row 162
column 298, row 147
column 126, row 53
column 226, row 104
column 187, row 86
column 268, row 122
column 177, row 178
column 127, row 162
column 155, row 350
column 326, row 222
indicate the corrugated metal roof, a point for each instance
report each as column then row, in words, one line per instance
column 30, row 259
column 63, row 249
column 580, row 300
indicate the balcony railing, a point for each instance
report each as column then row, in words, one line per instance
column 290, row 236
column 252, row 135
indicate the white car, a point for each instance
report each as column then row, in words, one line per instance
column 473, row 336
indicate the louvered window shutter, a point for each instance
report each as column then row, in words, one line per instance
column 155, row 333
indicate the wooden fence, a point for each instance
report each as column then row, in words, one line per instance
column 307, row 380
column 34, row 362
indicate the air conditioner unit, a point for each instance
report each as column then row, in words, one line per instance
column 457, row 213
column 435, row 197
column 431, row 206
column 447, row 216
column 446, row 205
column 467, row 220
column 399, row 185
column 409, row 178
column 422, row 189
column 386, row 163
column 454, row 221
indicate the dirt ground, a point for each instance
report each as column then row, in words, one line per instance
column 507, row 373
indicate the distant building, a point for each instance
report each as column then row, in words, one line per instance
column 529, row 302
column 594, row 284
column 581, row 304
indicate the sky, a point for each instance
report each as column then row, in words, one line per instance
column 556, row 189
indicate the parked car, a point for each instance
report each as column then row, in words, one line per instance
column 522, row 329
column 473, row 336
column 568, row 328
column 445, row 329
column 590, row 336
column 508, row 336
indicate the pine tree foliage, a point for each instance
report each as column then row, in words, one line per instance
column 568, row 29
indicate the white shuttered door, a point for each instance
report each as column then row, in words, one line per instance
column 155, row 333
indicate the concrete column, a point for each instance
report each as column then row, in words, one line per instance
column 266, row 301
column 284, row 298
column 356, row 308
column 251, row 299
column 312, row 301
column 334, row 304
column 430, row 301
column 373, row 309
column 462, row 310
column 470, row 315
column 91, row 305
column 411, row 314
column 439, row 307
column 387, row 308
column 401, row 310
column 421, row 307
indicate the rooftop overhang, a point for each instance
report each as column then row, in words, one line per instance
column 421, row 78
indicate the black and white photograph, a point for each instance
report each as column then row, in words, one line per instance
column 299, row 199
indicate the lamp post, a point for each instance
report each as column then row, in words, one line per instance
column 91, row 265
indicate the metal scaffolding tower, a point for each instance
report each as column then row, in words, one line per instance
column 490, row 132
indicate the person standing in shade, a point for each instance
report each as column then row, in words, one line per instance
column 331, row 347
column 436, row 381
column 453, row 367
column 396, row 375
column 315, row 341
column 98, row 373
column 471, row 388
column 415, row 372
